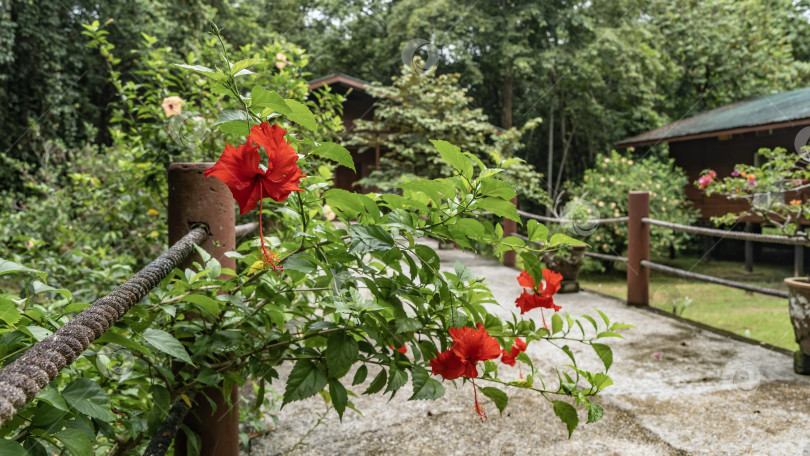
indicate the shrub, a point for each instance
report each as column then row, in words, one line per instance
column 604, row 192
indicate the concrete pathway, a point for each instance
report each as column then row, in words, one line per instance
column 678, row 390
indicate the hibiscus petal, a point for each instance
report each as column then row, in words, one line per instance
column 238, row 168
column 525, row 280
column 448, row 365
column 553, row 280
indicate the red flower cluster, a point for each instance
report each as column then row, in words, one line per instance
column 469, row 347
column 540, row 298
column 239, row 169
column 508, row 357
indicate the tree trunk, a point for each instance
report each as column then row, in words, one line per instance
column 506, row 102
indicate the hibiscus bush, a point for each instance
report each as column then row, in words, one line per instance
column 356, row 305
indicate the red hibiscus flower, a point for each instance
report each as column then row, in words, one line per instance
column 508, row 357
column 403, row 349
column 540, row 298
column 469, row 347
column 239, row 169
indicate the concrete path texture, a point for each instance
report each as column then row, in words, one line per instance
column 678, row 390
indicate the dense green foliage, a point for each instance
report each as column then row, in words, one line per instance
column 417, row 107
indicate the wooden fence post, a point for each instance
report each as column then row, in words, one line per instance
column 638, row 249
column 195, row 198
column 509, row 227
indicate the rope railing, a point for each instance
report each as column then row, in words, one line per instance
column 25, row 377
column 247, row 228
column 737, row 235
column 602, row 256
column 563, row 220
column 711, row 279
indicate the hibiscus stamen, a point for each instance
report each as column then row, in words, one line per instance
column 269, row 258
column 479, row 409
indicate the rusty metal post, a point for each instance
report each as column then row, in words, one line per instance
column 509, row 227
column 638, row 248
column 195, row 198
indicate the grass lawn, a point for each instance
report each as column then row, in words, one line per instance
column 756, row 316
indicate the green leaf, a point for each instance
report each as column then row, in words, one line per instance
column 7, row 267
column 209, row 376
column 605, row 353
column 556, row 323
column 360, row 375
column 166, row 343
column 111, row 337
column 345, row 203
column 376, row 384
column 452, row 155
column 496, row 188
column 559, row 238
column 424, row 387
column 206, row 303
column 604, row 317
column 12, row 448
column 259, row 96
column 305, row 380
column 568, row 415
column 396, row 379
column 205, row 71
column 301, row 114
column 435, row 189
column 595, row 412
column 533, row 266
column 232, row 115
column 51, row 395
column 334, row 152
column 87, row 397
column 9, row 312
column 341, row 352
column 609, row 334
column 242, row 64
column 499, row 207
column 537, row 231
column 75, row 441
column 498, row 397
column 405, row 325
column 339, row 397
column 369, row 238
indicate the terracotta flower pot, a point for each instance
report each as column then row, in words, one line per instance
column 799, row 300
column 568, row 266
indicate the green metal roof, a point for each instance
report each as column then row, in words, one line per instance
column 754, row 114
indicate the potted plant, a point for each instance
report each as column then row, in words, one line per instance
column 774, row 191
column 566, row 260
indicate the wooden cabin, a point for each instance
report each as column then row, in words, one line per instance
column 359, row 104
column 732, row 134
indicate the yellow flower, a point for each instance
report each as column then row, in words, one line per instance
column 630, row 162
column 152, row 212
column 154, row 234
column 172, row 106
column 600, row 204
column 601, row 179
column 611, row 179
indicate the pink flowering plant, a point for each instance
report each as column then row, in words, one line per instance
column 773, row 190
